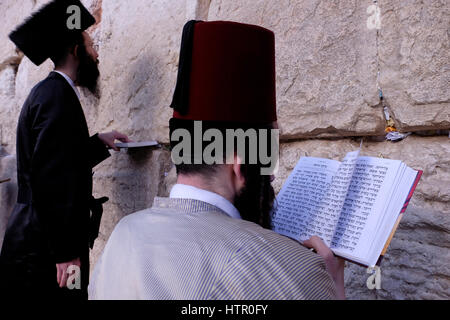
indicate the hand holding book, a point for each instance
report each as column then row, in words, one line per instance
column 335, row 266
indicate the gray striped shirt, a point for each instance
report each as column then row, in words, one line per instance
column 189, row 249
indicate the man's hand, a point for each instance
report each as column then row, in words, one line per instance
column 335, row 265
column 109, row 138
column 61, row 271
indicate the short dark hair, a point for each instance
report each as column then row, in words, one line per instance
column 201, row 169
column 256, row 199
column 59, row 56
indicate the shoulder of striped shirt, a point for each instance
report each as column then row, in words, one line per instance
column 281, row 248
column 244, row 229
column 257, row 233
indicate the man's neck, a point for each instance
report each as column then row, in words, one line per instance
column 70, row 72
column 199, row 182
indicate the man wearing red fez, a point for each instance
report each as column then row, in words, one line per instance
column 45, row 252
column 211, row 238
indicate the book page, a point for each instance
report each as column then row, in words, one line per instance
column 301, row 196
column 323, row 222
column 312, row 198
column 392, row 211
column 368, row 193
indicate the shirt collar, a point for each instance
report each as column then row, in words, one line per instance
column 185, row 191
column 70, row 82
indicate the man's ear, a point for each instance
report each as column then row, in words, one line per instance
column 75, row 50
column 237, row 170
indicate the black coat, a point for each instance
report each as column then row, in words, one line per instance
column 51, row 220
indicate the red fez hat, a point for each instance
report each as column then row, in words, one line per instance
column 226, row 73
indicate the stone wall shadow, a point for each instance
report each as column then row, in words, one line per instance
column 145, row 168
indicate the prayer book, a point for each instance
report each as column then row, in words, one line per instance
column 354, row 205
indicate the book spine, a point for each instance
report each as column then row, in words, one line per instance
column 411, row 191
column 405, row 205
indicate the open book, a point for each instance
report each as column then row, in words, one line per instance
column 354, row 205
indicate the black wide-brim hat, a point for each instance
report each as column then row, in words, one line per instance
column 50, row 29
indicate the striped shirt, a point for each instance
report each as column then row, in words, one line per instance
column 189, row 249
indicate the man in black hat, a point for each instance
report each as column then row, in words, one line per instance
column 46, row 246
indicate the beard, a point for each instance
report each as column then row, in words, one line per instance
column 256, row 199
column 88, row 73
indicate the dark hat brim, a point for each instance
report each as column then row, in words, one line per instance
column 46, row 31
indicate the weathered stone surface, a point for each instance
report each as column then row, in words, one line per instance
column 139, row 61
column 7, row 91
column 7, row 81
column 197, row 9
column 416, row 263
column 17, row 86
column 28, row 75
column 13, row 13
column 8, row 190
column 414, row 49
column 326, row 64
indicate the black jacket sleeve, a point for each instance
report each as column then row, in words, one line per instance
column 97, row 151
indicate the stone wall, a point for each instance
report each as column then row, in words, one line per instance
column 334, row 60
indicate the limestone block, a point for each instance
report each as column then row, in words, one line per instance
column 415, row 62
column 326, row 63
column 197, row 9
column 7, row 91
column 17, row 86
column 416, row 265
column 7, row 81
column 139, row 47
column 13, row 13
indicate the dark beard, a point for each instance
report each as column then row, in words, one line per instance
column 256, row 199
column 88, row 73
